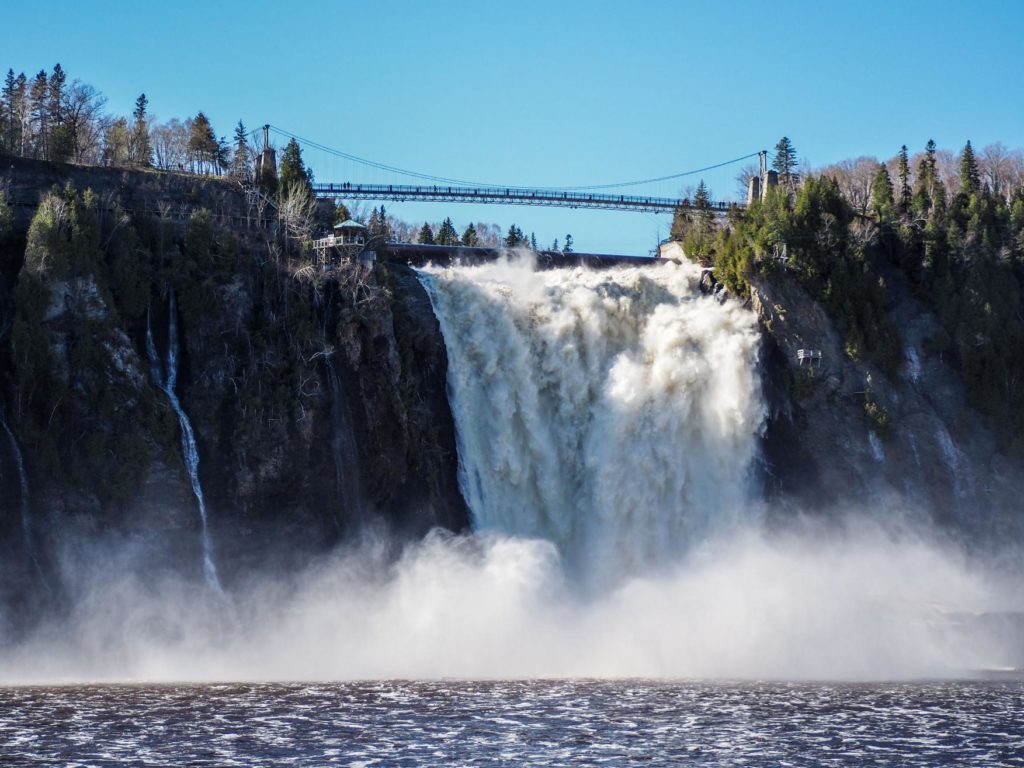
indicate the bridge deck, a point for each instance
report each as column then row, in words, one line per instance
column 418, row 255
column 509, row 196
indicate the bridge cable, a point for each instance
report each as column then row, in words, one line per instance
column 446, row 180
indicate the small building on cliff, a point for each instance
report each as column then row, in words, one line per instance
column 346, row 242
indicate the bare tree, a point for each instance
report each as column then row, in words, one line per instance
column 854, row 179
column 1001, row 168
column 170, row 144
column 948, row 165
column 743, row 178
column 296, row 212
column 83, row 114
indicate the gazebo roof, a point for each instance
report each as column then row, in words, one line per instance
column 349, row 224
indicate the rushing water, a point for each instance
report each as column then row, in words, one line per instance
column 614, row 413
column 25, row 503
column 165, row 376
column 527, row 723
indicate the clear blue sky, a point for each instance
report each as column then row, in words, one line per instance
column 551, row 92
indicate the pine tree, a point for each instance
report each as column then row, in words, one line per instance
column 57, row 81
column 447, row 235
column 384, row 227
column 202, row 144
column 426, row 236
column 8, row 135
column 141, row 149
column 929, row 193
column 116, row 143
column 785, row 164
column 40, row 113
column 705, row 218
column 240, row 167
column 554, row 245
column 514, row 238
column 469, row 236
column 904, row 177
column 882, row 202
column 291, row 169
column 970, row 179
column 341, row 213
column 568, row 244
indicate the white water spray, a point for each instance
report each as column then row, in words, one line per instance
column 166, row 377
column 26, row 504
column 614, row 412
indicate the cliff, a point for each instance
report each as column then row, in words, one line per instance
column 842, row 432
column 317, row 399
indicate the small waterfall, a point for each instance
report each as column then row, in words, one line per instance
column 343, row 447
column 26, row 502
column 614, row 413
column 165, row 376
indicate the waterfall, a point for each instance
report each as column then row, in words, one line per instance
column 166, row 377
column 343, row 446
column 25, row 500
column 615, row 413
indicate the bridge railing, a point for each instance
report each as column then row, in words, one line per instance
column 507, row 194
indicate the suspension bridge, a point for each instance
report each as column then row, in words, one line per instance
column 412, row 185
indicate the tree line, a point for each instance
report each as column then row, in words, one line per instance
column 48, row 117
column 949, row 227
column 380, row 223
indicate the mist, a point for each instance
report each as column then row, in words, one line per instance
column 856, row 602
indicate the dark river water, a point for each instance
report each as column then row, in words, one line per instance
column 500, row 723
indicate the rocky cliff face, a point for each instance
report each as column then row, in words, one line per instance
column 842, row 433
column 317, row 398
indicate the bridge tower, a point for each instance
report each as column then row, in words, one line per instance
column 756, row 184
column 266, row 161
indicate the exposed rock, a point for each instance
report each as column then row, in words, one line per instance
column 841, row 430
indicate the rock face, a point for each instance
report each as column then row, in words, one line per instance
column 841, row 432
column 318, row 399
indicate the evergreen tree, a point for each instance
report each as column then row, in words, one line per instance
column 929, row 192
column 554, row 245
column 447, row 235
column 882, row 202
column 116, row 143
column 141, row 151
column 291, row 169
column 8, row 135
column 970, row 179
column 341, row 213
column 202, row 144
column 514, row 238
column 40, row 113
column 378, row 225
column 426, row 236
column 240, row 166
column 57, row 81
column 469, row 236
column 904, row 178
column 785, row 164
column 533, row 242
column 568, row 244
